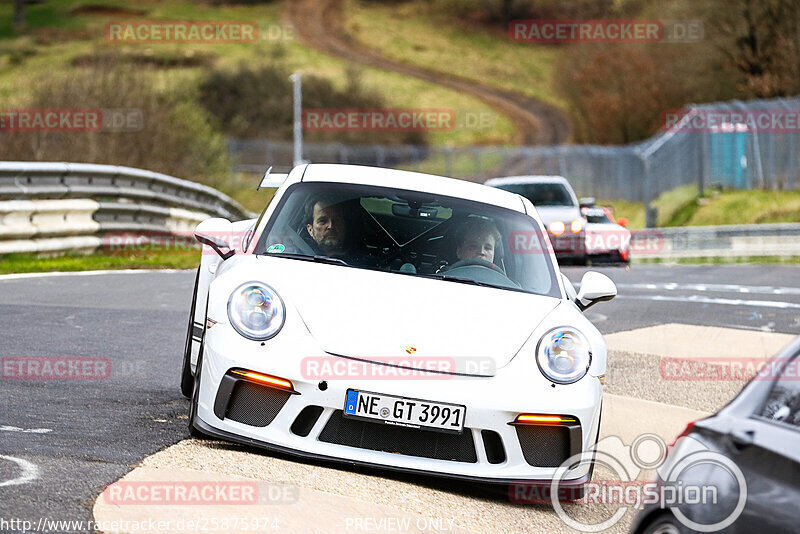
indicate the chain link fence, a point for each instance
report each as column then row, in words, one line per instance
column 742, row 145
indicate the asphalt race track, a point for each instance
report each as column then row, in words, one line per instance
column 63, row 441
column 752, row 297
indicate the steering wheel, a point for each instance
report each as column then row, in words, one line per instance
column 477, row 262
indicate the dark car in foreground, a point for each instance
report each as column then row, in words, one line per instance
column 746, row 456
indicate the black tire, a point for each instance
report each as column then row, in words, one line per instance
column 194, row 432
column 187, row 380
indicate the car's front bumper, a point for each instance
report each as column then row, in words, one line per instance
column 235, row 438
column 492, row 403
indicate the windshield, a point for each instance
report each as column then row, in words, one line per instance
column 553, row 194
column 410, row 233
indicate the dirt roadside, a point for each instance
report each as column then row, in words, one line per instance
column 318, row 23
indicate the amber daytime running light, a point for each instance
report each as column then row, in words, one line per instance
column 265, row 379
column 527, row 418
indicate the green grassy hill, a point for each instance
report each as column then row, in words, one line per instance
column 685, row 207
column 67, row 36
column 419, row 33
column 59, row 31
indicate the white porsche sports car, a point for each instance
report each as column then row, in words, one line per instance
column 397, row 320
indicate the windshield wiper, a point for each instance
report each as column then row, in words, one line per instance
column 319, row 258
column 462, row 280
column 459, row 279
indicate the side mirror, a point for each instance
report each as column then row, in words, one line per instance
column 215, row 233
column 587, row 202
column 595, row 287
column 622, row 221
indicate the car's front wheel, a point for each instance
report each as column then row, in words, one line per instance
column 187, row 379
column 194, row 432
column 198, row 375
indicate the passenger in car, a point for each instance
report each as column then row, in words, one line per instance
column 477, row 239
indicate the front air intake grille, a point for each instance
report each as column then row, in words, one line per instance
column 544, row 445
column 255, row 405
column 493, row 445
column 306, row 420
column 409, row 441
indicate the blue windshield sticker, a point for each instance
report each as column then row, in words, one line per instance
column 275, row 248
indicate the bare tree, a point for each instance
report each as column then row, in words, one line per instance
column 19, row 15
column 761, row 39
column 613, row 91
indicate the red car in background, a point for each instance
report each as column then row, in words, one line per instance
column 607, row 239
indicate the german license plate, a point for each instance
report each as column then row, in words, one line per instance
column 402, row 411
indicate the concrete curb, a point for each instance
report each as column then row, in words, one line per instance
column 285, row 508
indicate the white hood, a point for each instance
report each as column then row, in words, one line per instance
column 375, row 315
column 565, row 214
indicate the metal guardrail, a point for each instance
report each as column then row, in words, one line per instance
column 58, row 207
column 23, row 180
column 733, row 241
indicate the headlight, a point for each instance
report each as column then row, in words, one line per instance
column 256, row 311
column 576, row 226
column 556, row 228
column 563, row 355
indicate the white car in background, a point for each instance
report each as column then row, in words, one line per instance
column 558, row 207
column 607, row 239
column 382, row 344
